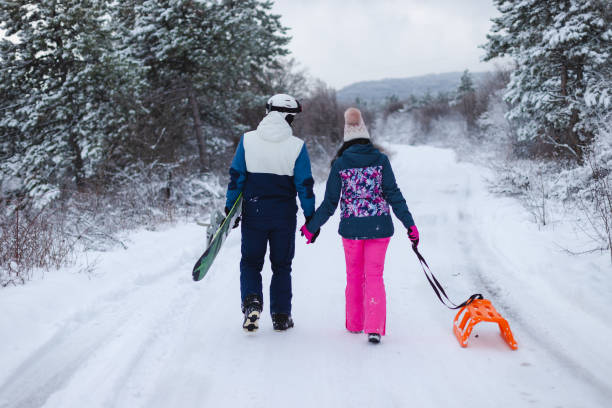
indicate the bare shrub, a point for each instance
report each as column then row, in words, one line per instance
column 538, row 185
column 94, row 217
column 431, row 110
column 392, row 105
column 322, row 120
column 492, row 85
column 593, row 195
column 321, row 125
column 29, row 239
column 542, row 181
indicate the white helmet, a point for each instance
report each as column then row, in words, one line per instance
column 285, row 104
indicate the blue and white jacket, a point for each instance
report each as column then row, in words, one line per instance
column 270, row 167
column 363, row 181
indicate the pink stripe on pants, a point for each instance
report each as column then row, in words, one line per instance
column 366, row 307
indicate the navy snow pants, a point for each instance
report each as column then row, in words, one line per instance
column 256, row 234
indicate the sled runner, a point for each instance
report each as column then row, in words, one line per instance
column 214, row 244
column 474, row 310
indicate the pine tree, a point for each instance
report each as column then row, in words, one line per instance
column 284, row 76
column 69, row 92
column 466, row 85
column 202, row 58
column 87, row 86
column 465, row 100
column 563, row 55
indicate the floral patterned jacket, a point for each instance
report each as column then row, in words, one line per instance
column 362, row 180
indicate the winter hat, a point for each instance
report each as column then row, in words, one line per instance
column 354, row 128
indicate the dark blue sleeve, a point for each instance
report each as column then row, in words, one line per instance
column 394, row 196
column 330, row 201
column 238, row 172
column 302, row 176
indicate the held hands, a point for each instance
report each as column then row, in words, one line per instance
column 237, row 222
column 413, row 234
column 310, row 237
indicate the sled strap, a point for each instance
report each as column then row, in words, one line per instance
column 435, row 285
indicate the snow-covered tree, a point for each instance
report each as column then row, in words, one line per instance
column 563, row 54
column 466, row 99
column 96, row 84
column 466, row 85
column 284, row 76
column 68, row 92
column 201, row 58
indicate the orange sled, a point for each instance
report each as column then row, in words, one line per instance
column 480, row 310
column 474, row 310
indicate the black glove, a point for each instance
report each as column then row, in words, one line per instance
column 237, row 222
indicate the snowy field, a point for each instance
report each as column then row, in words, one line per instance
column 138, row 332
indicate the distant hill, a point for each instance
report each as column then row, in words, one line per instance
column 377, row 91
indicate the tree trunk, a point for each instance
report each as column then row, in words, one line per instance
column 575, row 116
column 77, row 159
column 571, row 138
column 197, row 128
column 564, row 79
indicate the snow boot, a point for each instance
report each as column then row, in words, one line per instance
column 374, row 338
column 251, row 307
column 282, row 321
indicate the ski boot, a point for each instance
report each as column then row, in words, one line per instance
column 282, row 321
column 374, row 338
column 251, row 307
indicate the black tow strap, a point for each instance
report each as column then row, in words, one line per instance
column 435, row 285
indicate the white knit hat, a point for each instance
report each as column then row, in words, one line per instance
column 354, row 128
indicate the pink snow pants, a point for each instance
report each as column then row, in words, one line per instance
column 366, row 307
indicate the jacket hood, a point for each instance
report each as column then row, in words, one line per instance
column 361, row 155
column 274, row 128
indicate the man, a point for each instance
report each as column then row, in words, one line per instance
column 270, row 167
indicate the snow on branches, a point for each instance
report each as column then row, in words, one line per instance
column 559, row 91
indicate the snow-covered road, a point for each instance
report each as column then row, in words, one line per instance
column 140, row 333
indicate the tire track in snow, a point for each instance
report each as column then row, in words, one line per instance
column 502, row 279
column 489, row 255
column 137, row 352
column 536, row 333
column 76, row 342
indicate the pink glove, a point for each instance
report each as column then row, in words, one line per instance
column 310, row 237
column 413, row 234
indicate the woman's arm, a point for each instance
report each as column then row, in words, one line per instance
column 394, row 196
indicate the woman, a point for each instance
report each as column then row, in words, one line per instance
column 362, row 179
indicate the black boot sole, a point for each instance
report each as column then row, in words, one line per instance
column 277, row 329
column 251, row 322
column 282, row 330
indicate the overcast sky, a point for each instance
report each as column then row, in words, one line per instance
column 345, row 41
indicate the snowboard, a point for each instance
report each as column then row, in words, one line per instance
column 216, row 241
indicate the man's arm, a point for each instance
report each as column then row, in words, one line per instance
column 238, row 172
column 302, row 176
